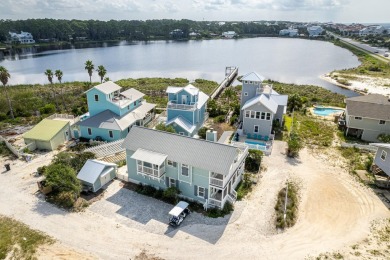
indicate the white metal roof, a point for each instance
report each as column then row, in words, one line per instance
column 183, row 123
column 191, row 89
column 253, row 76
column 132, row 94
column 149, row 156
column 108, row 87
column 202, row 154
column 202, row 98
column 173, row 90
column 92, row 169
column 263, row 99
column 382, row 145
column 182, row 205
column 109, row 120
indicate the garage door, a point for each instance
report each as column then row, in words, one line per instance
column 105, row 177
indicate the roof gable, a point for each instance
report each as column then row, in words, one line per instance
column 202, row 154
column 263, row 99
column 107, row 87
column 253, row 76
column 92, row 170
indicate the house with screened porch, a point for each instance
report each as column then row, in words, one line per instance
column 203, row 171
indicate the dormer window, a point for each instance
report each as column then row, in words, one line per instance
column 96, row 98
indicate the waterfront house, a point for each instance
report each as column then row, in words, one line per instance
column 48, row 134
column 366, row 117
column 229, row 34
column 22, row 37
column 291, row 32
column 260, row 106
column 186, row 109
column 382, row 158
column 315, row 31
column 95, row 174
column 112, row 113
column 203, row 171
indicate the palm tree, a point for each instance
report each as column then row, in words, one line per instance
column 229, row 94
column 101, row 70
column 4, row 76
column 50, row 75
column 89, row 67
column 59, row 74
column 106, row 79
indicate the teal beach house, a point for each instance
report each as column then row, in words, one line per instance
column 186, row 109
column 203, row 171
column 112, row 113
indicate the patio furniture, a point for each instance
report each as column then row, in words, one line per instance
column 237, row 137
column 260, row 137
column 248, row 135
column 266, row 138
column 254, row 136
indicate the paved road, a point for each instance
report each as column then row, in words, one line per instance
column 373, row 50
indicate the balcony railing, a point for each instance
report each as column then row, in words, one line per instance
column 147, row 171
column 174, row 105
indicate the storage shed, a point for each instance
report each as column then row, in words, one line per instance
column 95, row 174
column 48, row 134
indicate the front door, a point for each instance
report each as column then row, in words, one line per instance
column 184, row 99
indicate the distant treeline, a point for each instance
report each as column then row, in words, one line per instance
column 64, row 30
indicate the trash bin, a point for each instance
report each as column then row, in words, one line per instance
column 7, row 167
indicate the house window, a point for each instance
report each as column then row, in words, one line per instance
column 253, row 114
column 268, row 116
column 383, row 155
column 128, row 107
column 245, row 81
column 96, row 97
column 135, row 103
column 172, row 183
column 247, row 113
column 257, row 115
column 184, row 170
column 89, row 131
column 201, row 192
column 250, row 82
column 111, row 134
column 358, row 118
column 181, row 133
column 245, row 93
column 262, row 115
column 172, row 163
column 382, row 122
column 128, row 129
column 256, row 130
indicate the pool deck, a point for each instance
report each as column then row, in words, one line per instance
column 330, row 117
column 243, row 138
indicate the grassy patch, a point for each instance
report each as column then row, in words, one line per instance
column 4, row 151
column 291, row 209
column 314, row 131
column 18, row 240
column 357, row 159
column 244, row 187
column 287, row 123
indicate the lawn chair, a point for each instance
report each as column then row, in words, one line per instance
column 248, row 135
column 266, row 138
column 254, row 136
column 260, row 137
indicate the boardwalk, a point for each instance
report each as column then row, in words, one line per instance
column 230, row 74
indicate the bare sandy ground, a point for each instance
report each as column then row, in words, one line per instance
column 362, row 84
column 335, row 213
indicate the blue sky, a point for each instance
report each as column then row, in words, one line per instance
column 363, row 11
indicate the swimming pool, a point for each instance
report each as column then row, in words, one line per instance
column 326, row 111
column 255, row 142
column 258, row 145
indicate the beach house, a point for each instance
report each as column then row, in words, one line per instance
column 366, row 117
column 186, row 109
column 112, row 113
column 260, row 107
column 203, row 171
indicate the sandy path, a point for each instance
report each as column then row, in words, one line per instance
column 334, row 212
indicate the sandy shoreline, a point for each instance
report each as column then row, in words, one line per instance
column 362, row 84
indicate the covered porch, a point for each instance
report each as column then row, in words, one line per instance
column 150, row 163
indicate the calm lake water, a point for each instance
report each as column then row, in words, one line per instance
column 286, row 60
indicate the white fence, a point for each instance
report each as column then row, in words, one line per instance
column 10, row 147
column 360, row 146
column 71, row 118
column 107, row 149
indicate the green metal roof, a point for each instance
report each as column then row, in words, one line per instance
column 45, row 130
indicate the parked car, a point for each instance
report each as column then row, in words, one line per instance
column 178, row 213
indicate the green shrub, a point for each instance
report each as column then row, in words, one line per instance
column 219, row 119
column 170, row 195
column 291, row 207
column 216, row 213
column 163, row 127
column 41, row 170
column 202, row 132
column 65, row 199
column 244, row 187
column 3, row 116
column 233, row 119
column 48, row 109
column 294, row 144
column 253, row 160
column 384, row 138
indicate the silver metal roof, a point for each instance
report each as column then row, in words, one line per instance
column 132, row 94
column 92, row 169
column 263, row 99
column 373, row 106
column 109, row 120
column 183, row 123
column 108, row 87
column 202, row 154
column 253, row 76
column 149, row 156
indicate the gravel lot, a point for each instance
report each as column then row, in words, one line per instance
column 335, row 212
